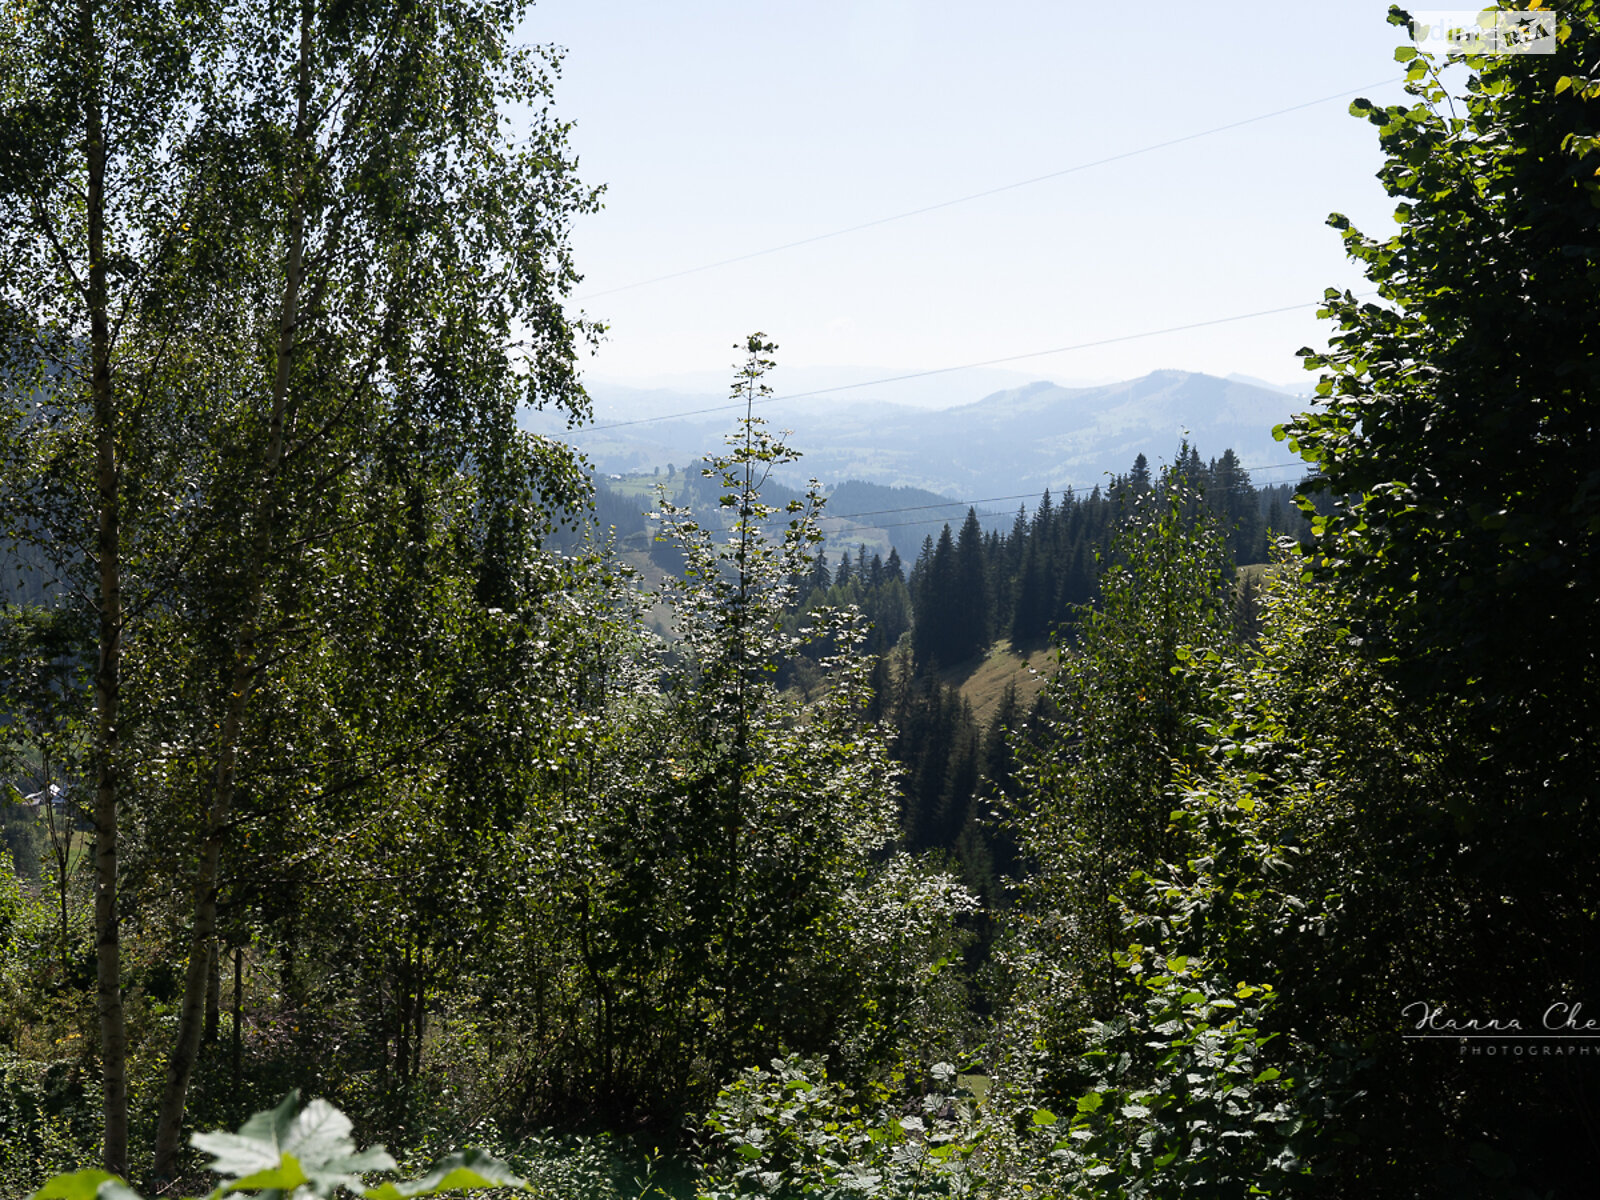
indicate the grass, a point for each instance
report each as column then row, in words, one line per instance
column 659, row 616
column 983, row 681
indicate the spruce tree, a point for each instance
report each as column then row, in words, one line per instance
column 933, row 595
column 969, row 607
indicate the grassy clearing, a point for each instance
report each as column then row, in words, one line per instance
column 658, row 617
column 983, row 681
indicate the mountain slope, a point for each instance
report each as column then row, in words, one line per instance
column 1017, row 441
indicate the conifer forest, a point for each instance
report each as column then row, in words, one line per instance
column 360, row 792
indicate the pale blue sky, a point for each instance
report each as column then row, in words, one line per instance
column 722, row 127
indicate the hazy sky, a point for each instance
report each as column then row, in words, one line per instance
column 726, row 127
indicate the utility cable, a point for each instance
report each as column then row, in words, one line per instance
column 988, row 362
column 882, row 512
column 967, row 199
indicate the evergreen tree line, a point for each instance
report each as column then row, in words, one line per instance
column 970, row 588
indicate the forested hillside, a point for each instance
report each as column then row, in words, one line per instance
column 347, row 755
column 1076, row 436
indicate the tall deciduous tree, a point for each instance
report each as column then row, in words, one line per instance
column 1456, row 448
column 1100, row 778
column 1456, row 437
column 780, row 811
column 254, row 250
column 720, row 880
column 94, row 203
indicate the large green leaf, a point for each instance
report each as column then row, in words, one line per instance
column 257, row 1146
column 86, row 1185
column 462, row 1171
column 284, row 1149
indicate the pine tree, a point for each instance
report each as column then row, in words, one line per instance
column 1034, row 595
column 1234, row 500
column 934, row 588
column 961, row 772
column 969, row 607
column 820, row 579
column 891, row 565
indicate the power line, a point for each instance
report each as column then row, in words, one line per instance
column 1008, row 187
column 880, row 512
column 883, row 512
column 988, row 362
column 826, row 516
column 905, row 524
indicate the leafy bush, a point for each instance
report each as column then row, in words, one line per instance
column 47, row 1117
column 294, row 1153
column 1184, row 1101
column 792, row 1131
column 582, row 1166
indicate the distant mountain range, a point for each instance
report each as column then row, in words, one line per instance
column 1016, row 441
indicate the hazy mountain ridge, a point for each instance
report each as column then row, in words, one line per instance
column 1018, row 440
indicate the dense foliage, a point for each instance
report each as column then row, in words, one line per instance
column 345, row 754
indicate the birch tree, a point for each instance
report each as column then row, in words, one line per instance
column 253, row 250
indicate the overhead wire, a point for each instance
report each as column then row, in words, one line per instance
column 963, row 200
column 877, row 512
column 909, row 376
column 994, row 191
column 874, row 512
column 880, row 512
column 988, row 362
column 936, row 520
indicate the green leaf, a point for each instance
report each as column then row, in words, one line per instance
column 283, row 1150
column 1044, row 1117
column 465, row 1170
column 86, row 1185
column 284, row 1176
column 258, row 1146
